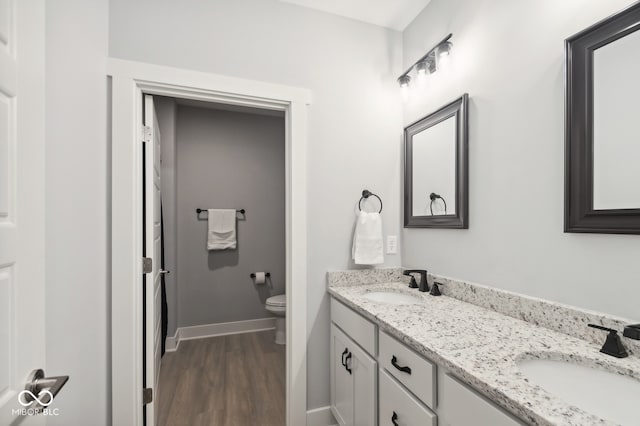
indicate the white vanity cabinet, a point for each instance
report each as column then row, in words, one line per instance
column 377, row 379
column 354, row 376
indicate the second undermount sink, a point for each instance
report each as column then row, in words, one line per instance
column 391, row 298
column 608, row 395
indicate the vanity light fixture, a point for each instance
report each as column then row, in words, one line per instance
column 427, row 64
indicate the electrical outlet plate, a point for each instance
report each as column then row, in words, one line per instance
column 392, row 244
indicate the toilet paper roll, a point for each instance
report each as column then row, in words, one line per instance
column 260, row 277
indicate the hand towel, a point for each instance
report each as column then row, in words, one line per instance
column 222, row 229
column 367, row 239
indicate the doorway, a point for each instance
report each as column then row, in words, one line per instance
column 129, row 81
column 215, row 165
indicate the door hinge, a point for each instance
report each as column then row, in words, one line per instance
column 147, row 265
column 147, row 395
column 146, row 134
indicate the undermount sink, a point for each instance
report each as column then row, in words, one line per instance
column 391, row 298
column 606, row 394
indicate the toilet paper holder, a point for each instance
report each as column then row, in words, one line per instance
column 268, row 274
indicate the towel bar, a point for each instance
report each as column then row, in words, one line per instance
column 241, row 211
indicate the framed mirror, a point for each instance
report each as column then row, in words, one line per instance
column 436, row 169
column 602, row 129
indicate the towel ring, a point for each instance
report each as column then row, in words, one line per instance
column 433, row 197
column 366, row 194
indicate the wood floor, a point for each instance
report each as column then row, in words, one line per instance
column 235, row 380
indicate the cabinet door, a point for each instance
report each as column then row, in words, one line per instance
column 365, row 387
column 341, row 381
column 459, row 405
column 353, row 382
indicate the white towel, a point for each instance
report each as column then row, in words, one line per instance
column 367, row 239
column 222, row 229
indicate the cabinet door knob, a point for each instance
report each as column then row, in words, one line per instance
column 394, row 418
column 343, row 354
column 394, row 362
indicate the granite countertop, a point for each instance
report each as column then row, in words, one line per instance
column 481, row 347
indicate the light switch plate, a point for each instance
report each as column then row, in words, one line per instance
column 392, row 244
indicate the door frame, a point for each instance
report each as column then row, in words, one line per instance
column 129, row 81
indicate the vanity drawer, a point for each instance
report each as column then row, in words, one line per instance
column 362, row 331
column 397, row 403
column 395, row 357
column 462, row 406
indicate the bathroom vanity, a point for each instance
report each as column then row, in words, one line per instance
column 367, row 362
column 403, row 357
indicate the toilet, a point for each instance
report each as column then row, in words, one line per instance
column 277, row 305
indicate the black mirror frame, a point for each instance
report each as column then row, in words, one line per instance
column 460, row 220
column 579, row 215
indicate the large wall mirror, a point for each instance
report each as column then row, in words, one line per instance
column 602, row 190
column 436, row 169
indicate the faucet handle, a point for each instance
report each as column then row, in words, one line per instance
column 413, row 283
column 613, row 345
column 632, row 331
column 435, row 291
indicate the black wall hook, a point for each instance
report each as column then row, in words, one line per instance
column 366, row 194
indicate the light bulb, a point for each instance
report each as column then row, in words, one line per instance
column 444, row 53
column 404, row 80
column 444, row 49
column 421, row 68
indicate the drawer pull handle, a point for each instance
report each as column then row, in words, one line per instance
column 394, row 362
column 343, row 354
column 394, row 418
column 346, row 362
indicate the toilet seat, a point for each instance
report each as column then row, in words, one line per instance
column 279, row 301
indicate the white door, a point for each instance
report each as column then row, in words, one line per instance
column 22, row 195
column 152, row 248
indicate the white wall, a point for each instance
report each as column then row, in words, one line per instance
column 355, row 123
column 229, row 159
column 508, row 55
column 77, row 281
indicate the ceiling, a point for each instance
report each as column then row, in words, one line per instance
column 394, row 14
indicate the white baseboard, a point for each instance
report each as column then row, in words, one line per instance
column 321, row 417
column 219, row 329
column 171, row 343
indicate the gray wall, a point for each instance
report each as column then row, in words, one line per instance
column 229, row 160
column 77, row 205
column 509, row 56
column 355, row 121
column 166, row 109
